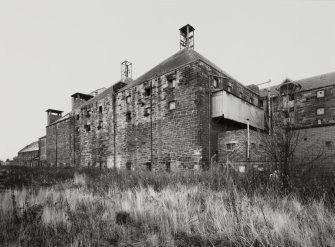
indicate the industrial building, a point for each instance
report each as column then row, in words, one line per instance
column 180, row 115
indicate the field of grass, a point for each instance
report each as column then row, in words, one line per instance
column 120, row 208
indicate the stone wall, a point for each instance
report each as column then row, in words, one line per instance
column 59, row 142
column 42, row 149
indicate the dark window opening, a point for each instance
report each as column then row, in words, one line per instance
column 100, row 109
column 128, row 166
column 147, row 91
column 78, row 130
column 88, row 127
column 147, row 111
column 149, row 167
column 286, row 114
column 172, row 83
column 231, row 146
column 168, row 166
column 78, row 116
column 261, row 103
column 100, row 125
column 128, row 116
column 88, row 114
column 291, row 97
column 329, row 144
column 305, row 139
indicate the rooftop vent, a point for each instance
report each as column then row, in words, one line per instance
column 186, row 36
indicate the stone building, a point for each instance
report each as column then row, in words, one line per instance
column 181, row 114
column 29, row 155
column 163, row 120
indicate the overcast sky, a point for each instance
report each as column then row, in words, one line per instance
column 52, row 49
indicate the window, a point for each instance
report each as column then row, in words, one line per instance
column 78, row 130
column 128, row 98
column 147, row 111
column 253, row 145
column 215, row 82
column 231, row 146
column 320, row 111
column 291, row 97
column 168, row 166
column 172, row 83
column 329, row 144
column 320, row 94
column 230, row 87
column 241, row 95
column 172, row 105
column 88, row 114
column 100, row 109
column 128, row 116
column 286, row 114
column 100, row 125
column 128, row 166
column 78, row 116
column 147, row 91
column 88, row 127
column 319, row 121
column 149, row 167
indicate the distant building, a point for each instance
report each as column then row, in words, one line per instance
column 29, row 155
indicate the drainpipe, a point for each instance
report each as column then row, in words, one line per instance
column 74, row 140
column 114, row 128
column 248, row 140
column 56, row 145
column 209, row 122
column 151, row 112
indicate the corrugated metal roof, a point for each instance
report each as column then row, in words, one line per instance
column 31, row 147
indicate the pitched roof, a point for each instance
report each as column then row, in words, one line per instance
column 182, row 57
column 309, row 83
column 31, row 147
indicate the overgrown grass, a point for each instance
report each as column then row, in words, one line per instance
column 120, row 208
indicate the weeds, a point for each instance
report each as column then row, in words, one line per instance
column 121, row 208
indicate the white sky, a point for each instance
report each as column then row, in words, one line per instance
column 52, row 49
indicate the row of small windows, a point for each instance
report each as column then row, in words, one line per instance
column 87, row 127
column 88, row 113
column 148, row 91
column 149, row 166
column 147, row 111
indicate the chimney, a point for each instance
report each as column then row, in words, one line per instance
column 186, row 36
column 79, row 98
column 53, row 115
column 126, row 70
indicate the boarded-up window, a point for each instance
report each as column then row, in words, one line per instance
column 320, row 111
column 172, row 105
column 320, row 94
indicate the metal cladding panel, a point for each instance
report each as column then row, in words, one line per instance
column 233, row 108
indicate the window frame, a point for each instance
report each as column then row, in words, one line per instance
column 172, row 102
column 323, row 111
column 322, row 94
